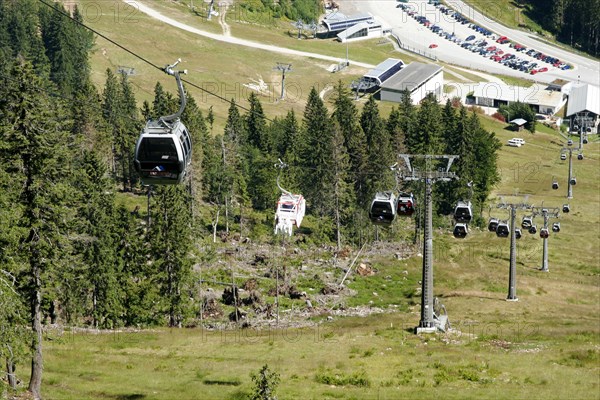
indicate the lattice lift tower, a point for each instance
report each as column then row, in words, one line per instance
column 430, row 322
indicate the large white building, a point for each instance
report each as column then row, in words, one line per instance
column 584, row 107
column 338, row 22
column 542, row 99
column 420, row 79
column 360, row 31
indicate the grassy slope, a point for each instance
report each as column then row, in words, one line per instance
column 219, row 67
column 544, row 346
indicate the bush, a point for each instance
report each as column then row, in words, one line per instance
column 265, row 384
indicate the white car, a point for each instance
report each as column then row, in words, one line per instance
column 516, row 142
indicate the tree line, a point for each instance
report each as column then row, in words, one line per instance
column 73, row 250
column 575, row 22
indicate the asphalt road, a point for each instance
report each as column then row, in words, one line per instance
column 416, row 35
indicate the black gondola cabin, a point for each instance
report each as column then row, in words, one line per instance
column 163, row 153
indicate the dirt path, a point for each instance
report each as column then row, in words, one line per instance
column 233, row 40
column 223, row 22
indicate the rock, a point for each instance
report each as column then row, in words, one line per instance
column 365, row 270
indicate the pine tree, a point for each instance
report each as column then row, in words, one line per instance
column 67, row 47
column 429, row 127
column 314, row 156
column 343, row 194
column 408, row 122
column 103, row 266
column 256, row 126
column 21, row 23
column 130, row 126
column 355, row 142
column 139, row 280
column 380, row 155
column 37, row 142
column 171, row 243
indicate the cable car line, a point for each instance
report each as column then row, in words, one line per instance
column 143, row 58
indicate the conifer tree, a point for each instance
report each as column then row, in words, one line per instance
column 345, row 114
column 256, row 126
column 314, row 156
column 380, row 155
column 36, row 141
column 429, row 127
column 171, row 243
column 104, row 269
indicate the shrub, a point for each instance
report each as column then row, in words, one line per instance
column 265, row 384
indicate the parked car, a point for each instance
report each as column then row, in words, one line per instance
column 516, row 142
column 433, row 46
column 469, row 38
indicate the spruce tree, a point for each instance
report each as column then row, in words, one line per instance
column 380, row 155
column 171, row 243
column 36, row 141
column 315, row 150
column 104, row 269
column 345, row 114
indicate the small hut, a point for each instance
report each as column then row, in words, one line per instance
column 518, row 124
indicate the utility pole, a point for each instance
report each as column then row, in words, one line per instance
column 210, row 10
column 429, row 322
column 512, row 269
column 571, row 180
column 299, row 24
column 546, row 213
column 283, row 67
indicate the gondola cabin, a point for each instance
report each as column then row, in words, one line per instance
column 556, row 227
column 493, row 224
column 580, row 156
column 544, row 233
column 563, row 156
column 290, row 211
column 461, row 230
column 502, row 230
column 573, row 181
column 163, row 153
column 462, row 212
column 555, row 185
column 383, row 208
column 518, row 233
column 527, row 222
column 533, row 229
column 566, row 208
column 406, row 204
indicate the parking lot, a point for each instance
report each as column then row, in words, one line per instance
column 513, row 61
column 481, row 41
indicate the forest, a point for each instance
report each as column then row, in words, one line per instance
column 574, row 22
column 72, row 252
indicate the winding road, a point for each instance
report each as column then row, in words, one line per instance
column 233, row 40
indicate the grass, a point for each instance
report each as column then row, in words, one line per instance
column 543, row 346
column 217, row 67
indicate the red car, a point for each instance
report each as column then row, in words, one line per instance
column 534, row 71
column 543, row 69
column 496, row 58
column 432, row 46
